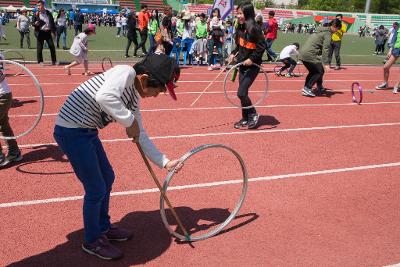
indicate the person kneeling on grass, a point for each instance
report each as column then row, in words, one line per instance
column 79, row 49
column 14, row 154
column 111, row 96
column 310, row 52
column 286, row 58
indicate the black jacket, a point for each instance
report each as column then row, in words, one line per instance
column 36, row 18
column 249, row 45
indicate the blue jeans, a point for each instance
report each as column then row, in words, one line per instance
column 61, row 30
column 270, row 52
column 152, row 43
column 89, row 161
column 217, row 43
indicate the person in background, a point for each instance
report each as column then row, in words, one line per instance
column 61, row 24
column 166, row 30
column 79, row 19
column 131, row 34
column 272, row 34
column 118, row 19
column 23, row 23
column 215, row 39
column 71, row 16
column 201, row 37
column 124, row 24
column 143, row 18
column 154, row 25
column 228, row 38
column 393, row 57
column 44, row 27
column 285, row 56
column 336, row 43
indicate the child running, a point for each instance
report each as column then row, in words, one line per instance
column 310, row 52
column 286, row 58
column 108, row 97
column 250, row 47
column 14, row 154
column 79, row 49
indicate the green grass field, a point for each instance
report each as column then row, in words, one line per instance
column 355, row 50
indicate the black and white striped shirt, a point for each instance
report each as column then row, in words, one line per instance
column 106, row 98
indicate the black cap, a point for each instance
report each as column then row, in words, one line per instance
column 163, row 69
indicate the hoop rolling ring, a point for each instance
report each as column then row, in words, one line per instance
column 355, row 100
column 231, row 216
column 19, row 58
column 41, row 100
column 264, row 95
column 104, row 62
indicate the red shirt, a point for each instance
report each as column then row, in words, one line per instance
column 144, row 18
column 272, row 29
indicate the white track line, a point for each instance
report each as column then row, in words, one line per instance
column 267, row 131
column 221, row 92
column 229, row 107
column 204, row 185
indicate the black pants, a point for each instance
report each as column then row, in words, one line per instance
column 247, row 75
column 289, row 63
column 41, row 37
column 315, row 74
column 78, row 28
column 143, row 39
column 335, row 47
column 128, row 45
column 167, row 47
column 28, row 38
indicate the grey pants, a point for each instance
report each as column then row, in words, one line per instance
column 5, row 128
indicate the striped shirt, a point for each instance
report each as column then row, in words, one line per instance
column 105, row 98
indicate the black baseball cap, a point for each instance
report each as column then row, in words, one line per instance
column 162, row 68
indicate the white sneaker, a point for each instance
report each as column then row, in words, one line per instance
column 396, row 90
column 382, row 86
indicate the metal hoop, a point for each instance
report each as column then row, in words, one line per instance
column 20, row 59
column 359, row 91
column 264, row 93
column 41, row 100
column 104, row 61
column 234, row 212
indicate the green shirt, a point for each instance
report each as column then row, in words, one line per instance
column 397, row 42
column 201, row 30
column 153, row 27
column 316, row 48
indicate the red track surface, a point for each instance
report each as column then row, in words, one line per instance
column 341, row 217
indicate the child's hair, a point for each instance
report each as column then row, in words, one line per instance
column 297, row 45
column 340, row 16
column 212, row 13
column 202, row 15
column 335, row 23
column 249, row 16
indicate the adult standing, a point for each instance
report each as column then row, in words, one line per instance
column 124, row 22
column 79, row 19
column 143, row 18
column 131, row 35
column 71, row 18
column 166, row 30
column 272, row 34
column 154, row 26
column 61, row 23
column 317, row 44
column 336, row 43
column 44, row 27
column 118, row 24
column 23, row 23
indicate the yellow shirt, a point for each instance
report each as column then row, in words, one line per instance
column 337, row 36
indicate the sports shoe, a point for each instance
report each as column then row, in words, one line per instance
column 240, row 124
column 382, row 86
column 396, row 90
column 337, row 68
column 288, row 75
column 103, row 249
column 118, row 234
column 210, row 68
column 10, row 158
column 307, row 92
column 253, row 121
column 321, row 90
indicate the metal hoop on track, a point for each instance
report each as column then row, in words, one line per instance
column 355, row 100
column 105, row 61
column 258, row 101
column 19, row 58
column 234, row 212
column 41, row 101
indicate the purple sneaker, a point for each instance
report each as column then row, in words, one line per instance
column 103, row 249
column 118, row 234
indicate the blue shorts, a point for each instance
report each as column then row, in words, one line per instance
column 396, row 52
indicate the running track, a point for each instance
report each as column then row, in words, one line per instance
column 323, row 191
